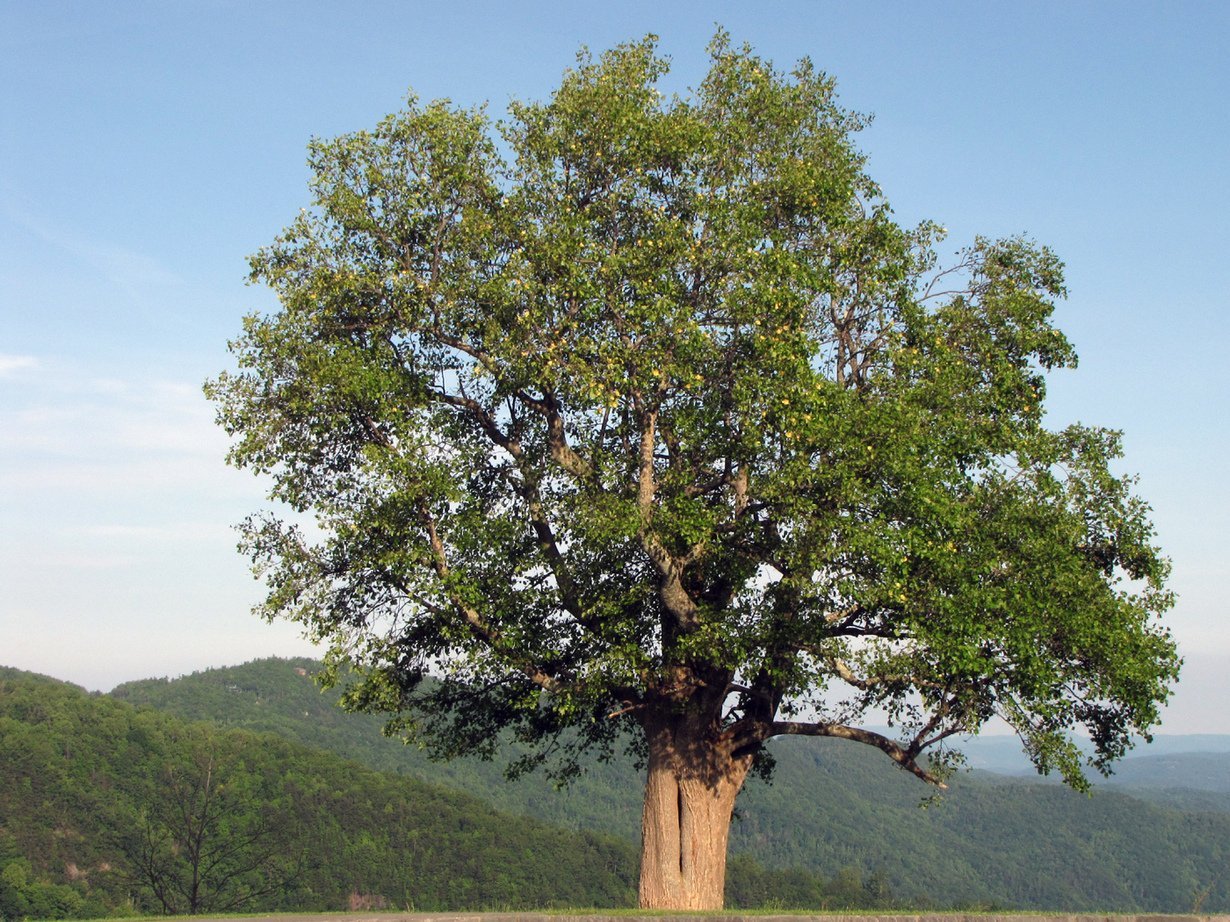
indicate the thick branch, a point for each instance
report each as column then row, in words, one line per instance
column 480, row 415
column 903, row 757
column 675, row 598
column 646, row 484
column 557, row 441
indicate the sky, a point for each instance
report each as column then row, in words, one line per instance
column 146, row 148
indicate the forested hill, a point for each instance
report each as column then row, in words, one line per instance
column 835, row 809
column 108, row 807
column 280, row 696
column 103, row 804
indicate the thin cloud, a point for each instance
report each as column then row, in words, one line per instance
column 104, row 440
column 10, row 365
column 177, row 531
column 133, row 272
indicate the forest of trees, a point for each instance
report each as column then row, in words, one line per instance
column 107, row 808
column 100, row 796
column 991, row 841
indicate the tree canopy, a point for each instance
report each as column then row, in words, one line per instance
column 635, row 410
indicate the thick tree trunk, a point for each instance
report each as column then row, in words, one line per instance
column 689, row 798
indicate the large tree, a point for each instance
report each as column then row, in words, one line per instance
column 635, row 412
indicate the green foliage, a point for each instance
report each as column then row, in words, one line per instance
column 24, row 896
column 632, row 405
column 100, row 803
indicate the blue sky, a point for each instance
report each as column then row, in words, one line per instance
column 147, row 148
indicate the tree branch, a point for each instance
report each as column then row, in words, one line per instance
column 675, row 598
column 484, row 632
column 557, row 441
column 847, row 675
column 527, row 489
column 903, row 757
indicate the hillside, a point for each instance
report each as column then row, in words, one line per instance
column 279, row 696
column 834, row 807
column 102, row 802
column 110, row 807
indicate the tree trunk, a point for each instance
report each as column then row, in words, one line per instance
column 689, row 798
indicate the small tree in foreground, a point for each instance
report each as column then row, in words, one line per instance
column 204, row 842
column 643, row 412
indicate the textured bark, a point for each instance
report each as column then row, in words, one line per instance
column 689, row 798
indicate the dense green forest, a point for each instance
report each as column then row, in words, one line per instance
column 109, row 804
column 837, row 811
column 109, row 808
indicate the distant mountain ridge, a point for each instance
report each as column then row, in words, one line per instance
column 993, row 841
column 1002, row 754
column 1204, row 770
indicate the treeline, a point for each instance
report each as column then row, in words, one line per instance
column 107, row 808
column 840, row 812
column 280, row 696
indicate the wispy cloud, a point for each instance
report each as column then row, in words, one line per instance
column 118, row 509
column 102, row 437
column 132, row 271
column 117, row 534
column 10, row 365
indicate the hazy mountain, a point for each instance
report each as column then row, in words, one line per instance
column 1198, row 771
column 1003, row 754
